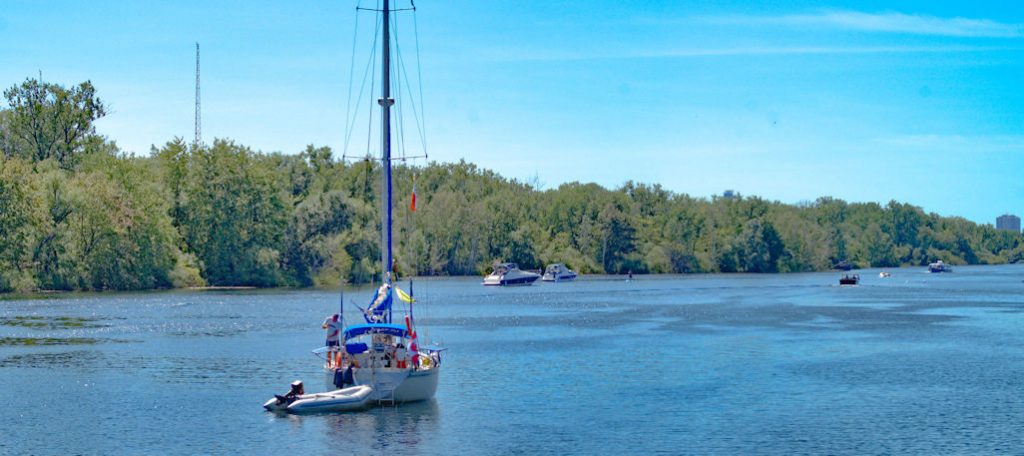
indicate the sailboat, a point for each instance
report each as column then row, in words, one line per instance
column 383, row 351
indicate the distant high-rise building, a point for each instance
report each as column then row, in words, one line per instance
column 1008, row 222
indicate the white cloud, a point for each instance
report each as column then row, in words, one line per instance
column 890, row 22
column 955, row 143
column 810, row 50
column 548, row 55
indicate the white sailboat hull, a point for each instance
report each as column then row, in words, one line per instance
column 399, row 385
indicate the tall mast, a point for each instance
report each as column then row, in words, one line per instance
column 199, row 122
column 385, row 102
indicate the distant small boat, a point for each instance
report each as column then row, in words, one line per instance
column 939, row 266
column 510, row 274
column 848, row 279
column 884, row 274
column 351, row 398
column 558, row 273
column 843, row 266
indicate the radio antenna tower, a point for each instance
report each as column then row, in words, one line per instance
column 199, row 120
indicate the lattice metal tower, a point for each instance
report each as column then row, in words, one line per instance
column 199, row 120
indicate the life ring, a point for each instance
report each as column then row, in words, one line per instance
column 424, row 361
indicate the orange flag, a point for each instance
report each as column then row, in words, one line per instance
column 412, row 204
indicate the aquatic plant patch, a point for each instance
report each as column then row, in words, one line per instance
column 40, row 322
column 46, row 341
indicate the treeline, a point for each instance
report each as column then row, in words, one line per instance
column 78, row 213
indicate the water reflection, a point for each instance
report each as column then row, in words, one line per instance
column 383, row 427
column 406, row 427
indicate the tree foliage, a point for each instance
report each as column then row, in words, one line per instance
column 77, row 213
column 46, row 120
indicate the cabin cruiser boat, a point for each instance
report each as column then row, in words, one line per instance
column 939, row 266
column 558, row 273
column 884, row 275
column 510, row 274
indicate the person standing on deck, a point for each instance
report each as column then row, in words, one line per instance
column 333, row 327
column 401, row 356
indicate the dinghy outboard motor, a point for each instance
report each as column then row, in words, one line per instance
column 282, row 402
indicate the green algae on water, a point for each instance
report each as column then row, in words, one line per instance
column 46, row 341
column 40, row 322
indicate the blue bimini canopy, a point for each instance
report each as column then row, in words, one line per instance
column 376, row 328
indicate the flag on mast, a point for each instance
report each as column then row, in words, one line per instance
column 403, row 295
column 412, row 204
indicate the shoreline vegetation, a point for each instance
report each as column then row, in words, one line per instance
column 78, row 213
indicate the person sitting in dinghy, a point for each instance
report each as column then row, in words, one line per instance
column 296, row 390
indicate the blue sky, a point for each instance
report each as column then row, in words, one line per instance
column 865, row 101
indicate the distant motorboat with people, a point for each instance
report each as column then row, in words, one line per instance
column 939, row 266
column 849, row 279
column 558, row 272
column 509, row 274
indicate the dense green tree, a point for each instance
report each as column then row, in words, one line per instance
column 235, row 215
column 311, row 237
column 50, row 121
column 19, row 217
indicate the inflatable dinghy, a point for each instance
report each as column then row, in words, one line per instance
column 351, row 398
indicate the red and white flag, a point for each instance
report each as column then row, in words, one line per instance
column 412, row 340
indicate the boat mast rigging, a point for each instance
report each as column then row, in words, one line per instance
column 386, row 102
column 390, row 99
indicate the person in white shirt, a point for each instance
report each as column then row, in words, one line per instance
column 333, row 326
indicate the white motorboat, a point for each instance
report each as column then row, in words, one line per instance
column 558, row 272
column 939, row 266
column 342, row 400
column 510, row 274
column 384, row 353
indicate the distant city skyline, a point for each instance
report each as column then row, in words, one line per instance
column 864, row 101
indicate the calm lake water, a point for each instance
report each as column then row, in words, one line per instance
column 735, row 364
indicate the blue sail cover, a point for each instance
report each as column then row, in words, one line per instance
column 380, row 307
column 376, row 328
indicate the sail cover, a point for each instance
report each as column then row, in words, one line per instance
column 380, row 307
